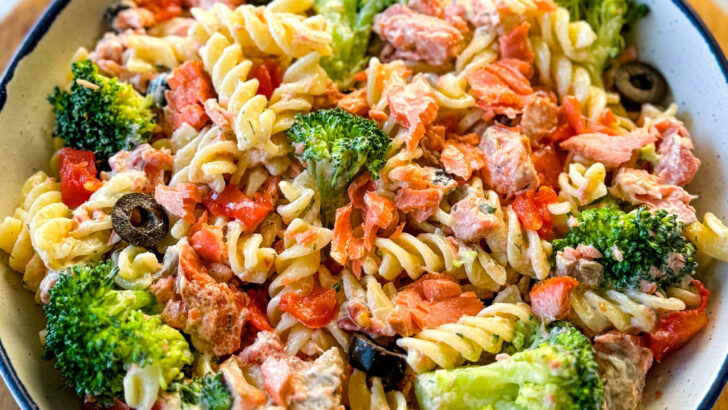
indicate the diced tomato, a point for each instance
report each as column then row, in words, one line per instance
column 548, row 165
column 208, row 243
column 677, row 328
column 179, row 200
column 532, row 210
column 234, row 204
column 163, row 9
column 315, row 308
column 550, row 298
column 256, row 310
column 78, row 176
column 268, row 75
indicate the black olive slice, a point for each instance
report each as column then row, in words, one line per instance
column 640, row 83
column 376, row 360
column 156, row 89
column 140, row 220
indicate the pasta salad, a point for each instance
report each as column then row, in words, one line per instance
column 365, row 204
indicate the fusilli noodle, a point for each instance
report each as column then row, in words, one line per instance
column 465, row 341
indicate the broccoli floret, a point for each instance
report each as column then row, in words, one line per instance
column 350, row 24
column 631, row 244
column 208, row 392
column 96, row 332
column 558, row 371
column 335, row 146
column 101, row 114
column 607, row 18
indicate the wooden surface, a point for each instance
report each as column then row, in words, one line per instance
column 14, row 27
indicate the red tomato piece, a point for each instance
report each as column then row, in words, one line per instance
column 256, row 310
column 268, row 75
column 315, row 308
column 78, row 176
column 677, row 328
column 532, row 210
column 234, row 204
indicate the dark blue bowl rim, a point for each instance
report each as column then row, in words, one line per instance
column 16, row 387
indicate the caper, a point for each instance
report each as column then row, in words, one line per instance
column 140, row 220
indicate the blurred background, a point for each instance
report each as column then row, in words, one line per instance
column 18, row 16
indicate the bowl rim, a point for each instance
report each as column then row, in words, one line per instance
column 41, row 27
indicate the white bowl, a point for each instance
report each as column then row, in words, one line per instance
column 672, row 37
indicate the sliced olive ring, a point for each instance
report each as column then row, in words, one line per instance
column 376, row 360
column 140, row 220
column 639, row 83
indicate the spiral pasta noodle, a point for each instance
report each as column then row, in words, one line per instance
column 380, row 301
column 250, row 256
column 361, row 397
column 710, row 237
column 141, row 386
column 302, row 81
column 298, row 267
column 204, row 158
column 559, row 46
column 451, row 344
column 137, row 267
column 145, row 53
column 527, row 255
column 581, row 186
column 263, row 31
column 303, row 198
column 600, row 310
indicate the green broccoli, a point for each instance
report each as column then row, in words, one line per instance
column 350, row 24
column 208, row 392
column 607, row 18
column 101, row 114
column 631, row 243
column 558, row 371
column 336, row 145
column 96, row 332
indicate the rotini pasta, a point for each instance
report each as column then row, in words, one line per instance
column 451, row 344
column 710, row 236
column 628, row 310
column 142, row 385
column 137, row 267
column 206, row 157
column 262, row 31
column 361, row 397
column 251, row 257
column 303, row 199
